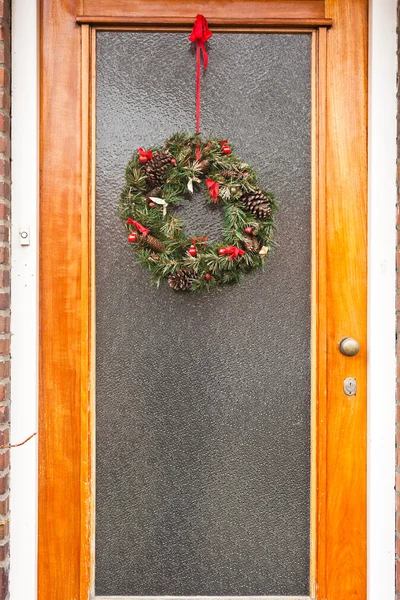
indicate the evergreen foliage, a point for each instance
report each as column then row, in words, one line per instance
column 237, row 183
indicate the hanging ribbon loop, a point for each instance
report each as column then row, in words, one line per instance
column 200, row 34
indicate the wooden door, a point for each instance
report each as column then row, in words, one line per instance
column 337, row 30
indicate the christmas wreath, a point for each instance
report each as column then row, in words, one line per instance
column 161, row 178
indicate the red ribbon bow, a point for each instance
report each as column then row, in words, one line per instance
column 213, row 188
column 200, row 34
column 143, row 230
column 232, row 252
column 145, row 153
column 199, row 240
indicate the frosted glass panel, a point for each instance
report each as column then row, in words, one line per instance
column 203, row 401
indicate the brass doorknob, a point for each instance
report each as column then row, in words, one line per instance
column 349, row 346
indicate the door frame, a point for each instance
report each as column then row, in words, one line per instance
column 23, row 478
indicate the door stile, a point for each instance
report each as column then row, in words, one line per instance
column 88, row 37
column 319, row 324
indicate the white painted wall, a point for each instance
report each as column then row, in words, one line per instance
column 381, row 317
column 24, row 280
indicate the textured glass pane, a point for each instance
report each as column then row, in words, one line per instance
column 203, row 401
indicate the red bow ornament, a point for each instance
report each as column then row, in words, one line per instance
column 200, row 34
column 231, row 251
column 144, row 155
column 213, row 188
column 141, row 229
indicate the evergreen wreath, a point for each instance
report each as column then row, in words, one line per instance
column 159, row 179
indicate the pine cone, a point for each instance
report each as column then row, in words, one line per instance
column 156, row 169
column 203, row 166
column 231, row 174
column 251, row 243
column 156, row 192
column 153, row 243
column 258, row 204
column 180, row 281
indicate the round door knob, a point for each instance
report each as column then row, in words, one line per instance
column 349, row 346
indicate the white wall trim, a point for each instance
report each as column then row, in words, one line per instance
column 381, row 316
column 24, row 278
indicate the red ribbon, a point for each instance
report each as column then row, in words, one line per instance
column 145, row 153
column 143, row 230
column 200, row 34
column 213, row 188
column 199, row 240
column 232, row 252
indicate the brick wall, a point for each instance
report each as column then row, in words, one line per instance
column 5, row 63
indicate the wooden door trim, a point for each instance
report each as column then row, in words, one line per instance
column 213, row 9
column 215, row 23
column 66, row 304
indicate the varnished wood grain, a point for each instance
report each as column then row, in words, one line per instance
column 212, row 9
column 215, row 23
column 60, row 318
column 346, row 281
column 67, row 282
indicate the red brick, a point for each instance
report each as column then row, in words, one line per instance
column 398, row 438
column 5, row 190
column 4, row 507
column 4, row 276
column 4, row 301
column 4, row 211
column 4, row 9
column 4, row 459
column 4, row 122
column 4, row 78
column 5, row 414
column 4, row 324
column 4, row 528
column 4, row 256
column 4, row 370
column 5, row 103
column 5, row 148
column 397, row 301
column 4, row 397
column 4, row 233
column 4, row 579
column 4, row 550
column 5, row 33
column 5, row 347
column 4, row 485
column 4, row 436
column 4, row 53
column 397, row 575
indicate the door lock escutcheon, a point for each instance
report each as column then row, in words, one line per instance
column 350, row 386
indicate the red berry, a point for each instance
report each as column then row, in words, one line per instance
column 173, row 161
column 151, row 204
column 226, row 150
column 207, row 276
column 221, row 251
column 132, row 238
column 192, row 251
column 249, row 230
column 143, row 159
column 155, row 257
